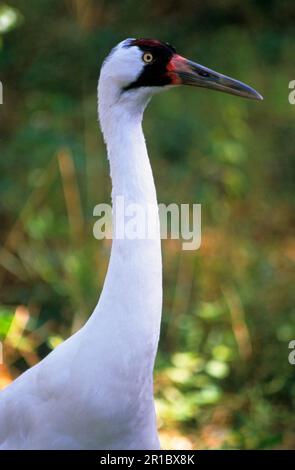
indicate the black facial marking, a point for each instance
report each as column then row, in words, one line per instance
column 154, row 73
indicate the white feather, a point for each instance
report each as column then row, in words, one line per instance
column 95, row 391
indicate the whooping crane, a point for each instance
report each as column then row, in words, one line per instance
column 95, row 391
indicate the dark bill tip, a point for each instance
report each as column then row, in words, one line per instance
column 191, row 73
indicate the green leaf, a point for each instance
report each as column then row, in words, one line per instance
column 9, row 18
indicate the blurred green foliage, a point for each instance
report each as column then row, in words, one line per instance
column 222, row 376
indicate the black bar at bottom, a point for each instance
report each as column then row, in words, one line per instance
column 133, row 459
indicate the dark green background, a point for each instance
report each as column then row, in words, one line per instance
column 222, row 376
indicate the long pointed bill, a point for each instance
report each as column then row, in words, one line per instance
column 186, row 72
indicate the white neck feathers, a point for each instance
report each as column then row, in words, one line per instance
column 132, row 293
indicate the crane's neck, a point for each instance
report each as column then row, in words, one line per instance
column 131, row 172
column 132, row 294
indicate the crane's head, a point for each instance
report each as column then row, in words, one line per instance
column 137, row 68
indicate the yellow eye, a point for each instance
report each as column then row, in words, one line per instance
column 148, row 57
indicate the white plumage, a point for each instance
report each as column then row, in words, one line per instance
column 95, row 391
